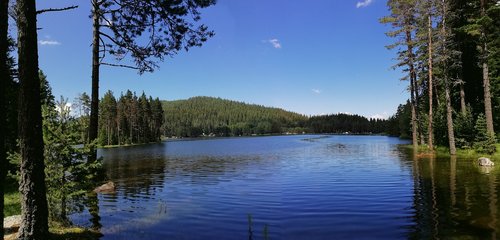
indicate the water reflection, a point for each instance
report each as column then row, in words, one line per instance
column 335, row 187
column 454, row 199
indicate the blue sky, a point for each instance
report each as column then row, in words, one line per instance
column 310, row 57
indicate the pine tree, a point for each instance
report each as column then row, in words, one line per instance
column 4, row 77
column 169, row 27
column 484, row 141
column 403, row 22
column 32, row 184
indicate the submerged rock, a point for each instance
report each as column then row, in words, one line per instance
column 108, row 187
column 485, row 162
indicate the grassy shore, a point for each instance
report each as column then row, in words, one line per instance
column 444, row 152
column 12, row 207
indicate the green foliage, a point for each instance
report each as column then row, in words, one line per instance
column 82, row 106
column 440, row 126
column 130, row 120
column 484, row 142
column 342, row 123
column 464, row 129
column 12, row 197
column 200, row 116
column 67, row 172
column 149, row 30
column 399, row 124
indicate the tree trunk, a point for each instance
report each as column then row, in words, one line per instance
column 488, row 112
column 463, row 107
column 34, row 211
column 94, row 105
column 4, row 77
column 429, row 127
column 449, row 110
column 486, row 79
column 412, row 91
column 449, row 120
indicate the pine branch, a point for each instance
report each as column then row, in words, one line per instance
column 56, row 9
column 119, row 65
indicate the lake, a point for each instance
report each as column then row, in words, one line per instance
column 293, row 187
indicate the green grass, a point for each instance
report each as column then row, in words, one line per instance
column 12, row 198
column 441, row 151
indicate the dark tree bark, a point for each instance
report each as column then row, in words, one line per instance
column 32, row 183
column 488, row 112
column 94, row 107
column 413, row 90
column 4, row 77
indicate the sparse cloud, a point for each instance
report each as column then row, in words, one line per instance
column 316, row 91
column 383, row 115
column 364, row 3
column 49, row 42
column 275, row 42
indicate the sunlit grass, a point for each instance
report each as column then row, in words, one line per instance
column 441, row 151
column 12, row 198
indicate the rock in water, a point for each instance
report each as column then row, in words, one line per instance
column 108, row 187
column 482, row 161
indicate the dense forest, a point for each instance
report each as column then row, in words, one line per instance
column 207, row 116
column 130, row 119
column 449, row 52
column 347, row 123
column 200, row 116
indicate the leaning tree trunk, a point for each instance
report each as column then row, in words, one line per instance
column 34, row 211
column 4, row 77
column 94, row 105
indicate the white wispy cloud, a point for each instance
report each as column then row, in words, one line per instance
column 316, row 91
column 383, row 115
column 275, row 42
column 49, row 42
column 364, row 3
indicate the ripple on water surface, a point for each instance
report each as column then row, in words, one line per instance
column 296, row 187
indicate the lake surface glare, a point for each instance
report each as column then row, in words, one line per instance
column 293, row 187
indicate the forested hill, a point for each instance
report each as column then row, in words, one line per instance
column 207, row 115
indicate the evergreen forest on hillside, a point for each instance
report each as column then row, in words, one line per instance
column 207, row 116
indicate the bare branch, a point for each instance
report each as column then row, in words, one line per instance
column 119, row 65
column 56, row 9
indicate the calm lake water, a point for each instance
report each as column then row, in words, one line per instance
column 294, row 187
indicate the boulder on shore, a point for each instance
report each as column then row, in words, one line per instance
column 11, row 226
column 108, row 187
column 485, row 162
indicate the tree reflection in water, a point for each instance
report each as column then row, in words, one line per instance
column 454, row 198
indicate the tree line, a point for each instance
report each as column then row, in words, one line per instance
column 200, row 116
column 207, row 116
column 347, row 123
column 130, row 119
column 449, row 52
